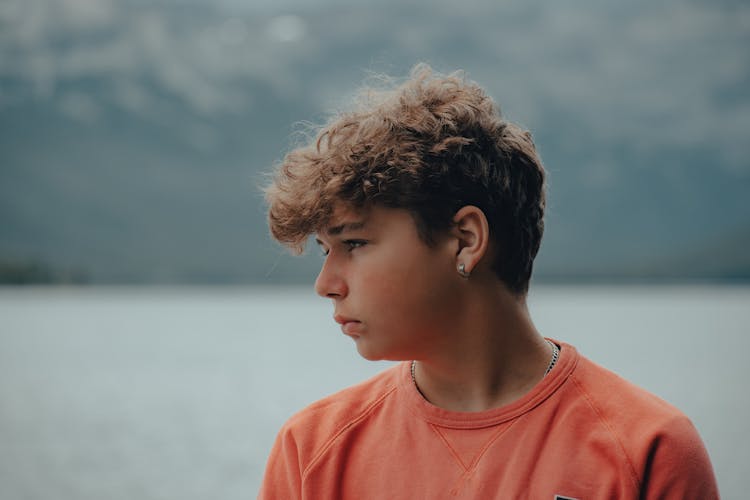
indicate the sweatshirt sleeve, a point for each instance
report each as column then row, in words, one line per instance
column 678, row 466
column 283, row 476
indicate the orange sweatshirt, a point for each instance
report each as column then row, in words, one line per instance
column 582, row 432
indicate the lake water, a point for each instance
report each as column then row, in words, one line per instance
column 158, row 393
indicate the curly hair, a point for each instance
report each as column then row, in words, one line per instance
column 431, row 145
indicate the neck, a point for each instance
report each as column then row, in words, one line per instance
column 496, row 357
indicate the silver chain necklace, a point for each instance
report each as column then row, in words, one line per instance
column 552, row 363
column 555, row 355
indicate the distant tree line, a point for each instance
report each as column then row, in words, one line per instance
column 30, row 272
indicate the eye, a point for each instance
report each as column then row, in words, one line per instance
column 323, row 250
column 352, row 244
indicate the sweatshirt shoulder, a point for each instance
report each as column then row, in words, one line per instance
column 659, row 442
column 348, row 402
column 318, row 424
column 620, row 400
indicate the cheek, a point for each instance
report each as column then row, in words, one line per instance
column 415, row 282
column 400, row 276
column 428, row 287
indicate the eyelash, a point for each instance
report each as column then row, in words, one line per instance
column 352, row 244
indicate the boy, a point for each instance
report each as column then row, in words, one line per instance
column 429, row 209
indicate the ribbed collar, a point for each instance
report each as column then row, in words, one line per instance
column 474, row 420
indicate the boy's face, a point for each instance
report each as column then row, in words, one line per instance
column 393, row 294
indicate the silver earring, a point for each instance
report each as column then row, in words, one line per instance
column 462, row 271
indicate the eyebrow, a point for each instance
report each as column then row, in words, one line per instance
column 347, row 226
column 342, row 228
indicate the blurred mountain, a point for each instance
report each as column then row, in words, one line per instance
column 134, row 135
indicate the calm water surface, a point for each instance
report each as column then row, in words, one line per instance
column 149, row 393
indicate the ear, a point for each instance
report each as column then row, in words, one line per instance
column 471, row 229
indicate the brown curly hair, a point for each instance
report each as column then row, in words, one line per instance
column 431, row 146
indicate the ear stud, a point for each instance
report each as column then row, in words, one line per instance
column 462, row 271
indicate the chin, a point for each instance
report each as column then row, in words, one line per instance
column 376, row 355
column 368, row 353
column 370, row 356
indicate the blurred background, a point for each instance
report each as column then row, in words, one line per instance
column 135, row 136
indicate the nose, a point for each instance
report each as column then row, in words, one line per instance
column 330, row 284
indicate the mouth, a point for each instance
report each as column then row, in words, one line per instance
column 349, row 326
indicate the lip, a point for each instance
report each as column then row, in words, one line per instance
column 342, row 320
column 348, row 325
